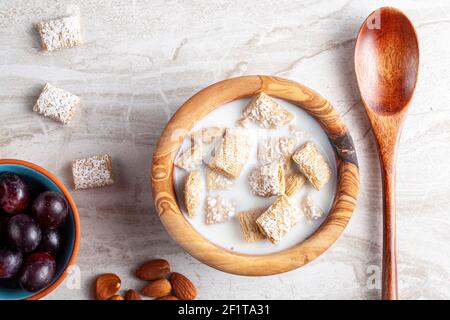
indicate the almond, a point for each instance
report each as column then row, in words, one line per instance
column 183, row 288
column 116, row 297
column 157, row 288
column 153, row 270
column 132, row 295
column 106, row 286
column 168, row 298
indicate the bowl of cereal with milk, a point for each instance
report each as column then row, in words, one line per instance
column 255, row 175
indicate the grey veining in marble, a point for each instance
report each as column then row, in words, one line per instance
column 142, row 59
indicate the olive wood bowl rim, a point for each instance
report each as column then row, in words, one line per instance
column 215, row 96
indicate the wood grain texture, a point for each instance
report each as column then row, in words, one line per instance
column 386, row 65
column 214, row 97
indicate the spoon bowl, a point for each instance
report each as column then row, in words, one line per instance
column 387, row 61
column 386, row 66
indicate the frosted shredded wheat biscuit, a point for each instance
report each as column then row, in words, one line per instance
column 312, row 164
column 310, row 209
column 278, row 219
column 192, row 193
column 266, row 112
column 60, row 33
column 218, row 209
column 267, row 180
column 232, row 153
column 250, row 230
column 217, row 181
column 56, row 104
column 276, row 149
column 294, row 182
column 191, row 159
column 92, row 172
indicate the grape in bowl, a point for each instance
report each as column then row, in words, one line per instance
column 14, row 193
column 47, row 256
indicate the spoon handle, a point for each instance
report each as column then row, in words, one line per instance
column 389, row 278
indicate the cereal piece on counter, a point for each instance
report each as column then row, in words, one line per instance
column 266, row 112
column 92, row 172
column 218, row 209
column 192, row 193
column 294, row 182
column 278, row 219
column 217, row 181
column 232, row 153
column 276, row 149
column 191, row 159
column 207, row 135
column 310, row 209
column 267, row 180
column 56, row 104
column 312, row 164
column 250, row 230
column 60, row 33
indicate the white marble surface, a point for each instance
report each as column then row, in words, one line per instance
column 142, row 59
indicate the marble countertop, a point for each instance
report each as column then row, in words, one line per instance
column 142, row 59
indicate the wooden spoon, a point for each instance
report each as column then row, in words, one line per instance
column 386, row 65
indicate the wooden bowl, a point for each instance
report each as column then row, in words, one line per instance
column 214, row 97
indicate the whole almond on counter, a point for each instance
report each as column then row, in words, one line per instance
column 116, row 297
column 153, row 270
column 183, row 288
column 106, row 286
column 132, row 295
column 157, row 288
column 168, row 298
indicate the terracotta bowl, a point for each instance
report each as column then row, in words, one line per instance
column 40, row 178
column 214, row 97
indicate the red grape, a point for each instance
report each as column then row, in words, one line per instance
column 38, row 271
column 51, row 241
column 23, row 232
column 10, row 262
column 14, row 194
column 50, row 209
